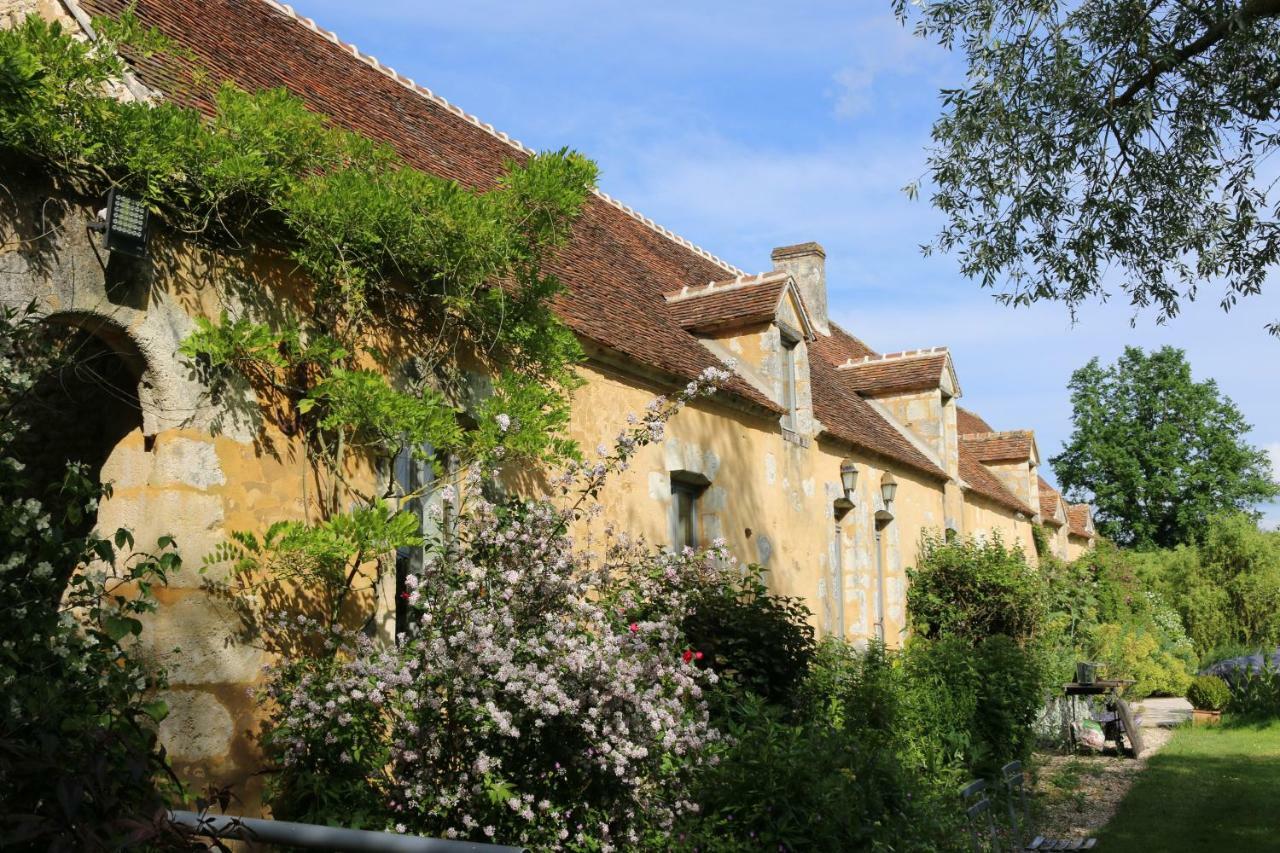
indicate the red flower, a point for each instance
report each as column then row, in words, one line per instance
column 688, row 655
column 405, row 596
column 697, row 655
column 634, row 628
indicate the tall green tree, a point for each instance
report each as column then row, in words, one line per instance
column 1108, row 143
column 1157, row 452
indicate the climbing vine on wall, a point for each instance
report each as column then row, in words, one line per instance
column 415, row 285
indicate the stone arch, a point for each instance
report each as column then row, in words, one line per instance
column 82, row 406
column 131, row 304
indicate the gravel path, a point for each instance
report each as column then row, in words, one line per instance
column 1078, row 794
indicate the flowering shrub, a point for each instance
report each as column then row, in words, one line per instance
column 544, row 693
column 761, row 642
column 79, row 764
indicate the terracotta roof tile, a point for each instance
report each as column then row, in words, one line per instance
column 617, row 264
column 974, row 472
column 843, row 346
column 968, row 422
column 988, row 485
column 895, row 374
column 848, row 417
column 724, row 304
column 986, row 447
column 1049, row 501
column 1079, row 521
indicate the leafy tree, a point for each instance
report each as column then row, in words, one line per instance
column 1109, row 142
column 1157, row 452
column 1226, row 587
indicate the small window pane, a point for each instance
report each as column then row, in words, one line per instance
column 789, row 382
column 684, row 499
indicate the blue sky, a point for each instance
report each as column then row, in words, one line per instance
column 749, row 125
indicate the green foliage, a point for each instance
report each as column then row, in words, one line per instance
column 1133, row 651
column 1226, row 587
column 1255, row 694
column 841, row 777
column 334, row 558
column 1108, row 144
column 973, row 671
column 407, row 271
column 1156, row 452
column 761, row 641
column 360, row 406
column 973, row 589
column 1040, row 537
column 80, row 767
column 973, row 704
column 1208, row 693
column 1103, row 608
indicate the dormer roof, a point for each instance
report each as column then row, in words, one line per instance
column 1052, row 508
column 1081, row 520
column 736, row 302
column 995, row 447
column 901, row 372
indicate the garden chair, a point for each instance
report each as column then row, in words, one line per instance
column 1020, row 817
column 977, row 810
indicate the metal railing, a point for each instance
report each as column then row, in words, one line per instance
column 315, row 837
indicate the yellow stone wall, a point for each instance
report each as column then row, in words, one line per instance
column 770, row 499
column 1077, row 546
column 198, row 469
column 984, row 517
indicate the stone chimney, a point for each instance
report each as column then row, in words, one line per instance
column 807, row 263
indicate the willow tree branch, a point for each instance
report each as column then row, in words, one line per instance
column 1252, row 10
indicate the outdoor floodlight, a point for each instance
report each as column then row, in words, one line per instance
column 888, row 488
column 849, row 479
column 124, row 222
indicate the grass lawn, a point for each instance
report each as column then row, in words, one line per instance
column 1211, row 788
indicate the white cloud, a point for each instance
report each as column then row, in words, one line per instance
column 882, row 48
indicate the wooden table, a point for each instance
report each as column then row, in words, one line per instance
column 1118, row 723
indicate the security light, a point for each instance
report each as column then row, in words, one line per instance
column 849, row 479
column 125, row 221
column 888, row 488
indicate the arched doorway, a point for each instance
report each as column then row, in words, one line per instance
column 83, row 403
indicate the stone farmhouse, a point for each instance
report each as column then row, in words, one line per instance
column 822, row 460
